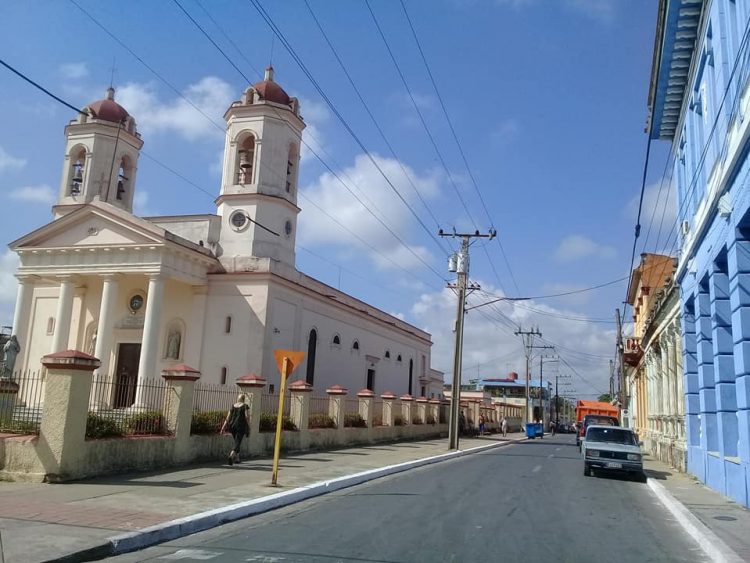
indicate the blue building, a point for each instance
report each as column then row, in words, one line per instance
column 699, row 101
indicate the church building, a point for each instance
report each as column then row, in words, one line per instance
column 218, row 292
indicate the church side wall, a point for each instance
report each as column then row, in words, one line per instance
column 241, row 349
column 38, row 340
column 341, row 364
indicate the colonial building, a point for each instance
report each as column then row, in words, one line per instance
column 699, row 99
column 655, row 397
column 217, row 291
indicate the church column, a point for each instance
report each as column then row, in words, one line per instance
column 106, row 323
column 64, row 312
column 23, row 310
column 150, row 343
column 193, row 342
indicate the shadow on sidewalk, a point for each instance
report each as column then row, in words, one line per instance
column 656, row 474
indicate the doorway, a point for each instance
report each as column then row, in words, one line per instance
column 371, row 379
column 126, row 374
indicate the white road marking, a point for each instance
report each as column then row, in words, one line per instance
column 551, row 456
column 557, row 449
column 536, row 469
column 265, row 558
column 199, row 554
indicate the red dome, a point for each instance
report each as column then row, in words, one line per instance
column 270, row 91
column 108, row 109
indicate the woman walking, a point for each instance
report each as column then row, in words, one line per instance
column 237, row 423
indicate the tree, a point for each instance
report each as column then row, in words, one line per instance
column 605, row 398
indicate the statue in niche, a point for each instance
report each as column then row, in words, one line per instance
column 173, row 344
column 11, row 351
column 92, row 344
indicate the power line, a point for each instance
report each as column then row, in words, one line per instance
column 458, row 143
column 40, row 87
column 269, row 21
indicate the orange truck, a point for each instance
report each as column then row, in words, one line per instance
column 595, row 407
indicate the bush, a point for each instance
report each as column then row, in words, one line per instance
column 354, row 420
column 321, row 421
column 416, row 420
column 101, row 427
column 147, row 422
column 430, row 419
column 398, row 420
column 268, row 422
column 207, row 422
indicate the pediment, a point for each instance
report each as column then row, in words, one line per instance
column 90, row 226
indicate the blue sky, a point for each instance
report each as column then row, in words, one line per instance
column 548, row 100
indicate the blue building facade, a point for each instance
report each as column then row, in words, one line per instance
column 700, row 101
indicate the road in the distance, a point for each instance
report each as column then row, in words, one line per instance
column 519, row 503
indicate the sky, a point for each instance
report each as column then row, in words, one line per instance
column 547, row 100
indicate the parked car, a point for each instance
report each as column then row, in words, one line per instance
column 590, row 419
column 612, row 448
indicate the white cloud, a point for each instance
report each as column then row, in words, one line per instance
column 601, row 10
column 364, row 179
column 490, row 343
column 74, row 71
column 577, row 247
column 34, row 194
column 315, row 115
column 210, row 94
column 140, row 204
column 655, row 205
column 8, row 162
column 506, row 130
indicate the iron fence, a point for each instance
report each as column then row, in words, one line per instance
column 211, row 403
column 351, row 406
column 269, row 403
column 319, row 405
column 377, row 412
column 124, row 407
column 21, row 402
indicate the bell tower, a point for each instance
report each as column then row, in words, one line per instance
column 258, row 200
column 102, row 148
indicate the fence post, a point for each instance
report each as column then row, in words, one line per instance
column 299, row 392
column 434, row 409
column 421, row 409
column 252, row 386
column 8, row 397
column 388, row 414
column 178, row 405
column 365, row 397
column 406, row 401
column 61, row 447
column 336, row 395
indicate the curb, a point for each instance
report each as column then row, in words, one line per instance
column 187, row 525
column 713, row 546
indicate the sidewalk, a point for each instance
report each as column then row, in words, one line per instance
column 41, row 522
column 729, row 521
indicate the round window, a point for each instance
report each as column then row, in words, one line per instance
column 288, row 228
column 136, row 302
column 238, row 220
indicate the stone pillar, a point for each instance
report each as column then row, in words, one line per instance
column 299, row 392
column 61, row 447
column 64, row 312
column 151, row 329
column 738, row 259
column 365, row 397
column 388, row 414
column 421, row 413
column 434, row 409
column 336, row 396
column 106, row 324
column 406, row 401
column 690, row 368
column 22, row 314
column 707, row 393
column 723, row 362
column 178, row 406
column 253, row 386
column 474, row 410
column 8, row 397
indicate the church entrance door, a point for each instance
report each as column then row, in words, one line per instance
column 371, row 379
column 126, row 376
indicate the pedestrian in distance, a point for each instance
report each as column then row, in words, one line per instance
column 481, row 425
column 552, row 427
column 237, row 423
column 504, row 426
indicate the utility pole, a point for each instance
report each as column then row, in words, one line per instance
column 621, row 371
column 541, row 381
column 459, row 263
column 528, row 342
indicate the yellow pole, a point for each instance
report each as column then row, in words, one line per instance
column 279, row 423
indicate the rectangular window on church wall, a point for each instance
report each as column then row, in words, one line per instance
column 224, row 376
column 228, row 325
column 424, row 365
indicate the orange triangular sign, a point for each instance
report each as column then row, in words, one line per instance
column 294, row 357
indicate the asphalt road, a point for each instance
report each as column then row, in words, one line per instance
column 526, row 502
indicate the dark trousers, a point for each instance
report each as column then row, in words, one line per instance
column 237, row 436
